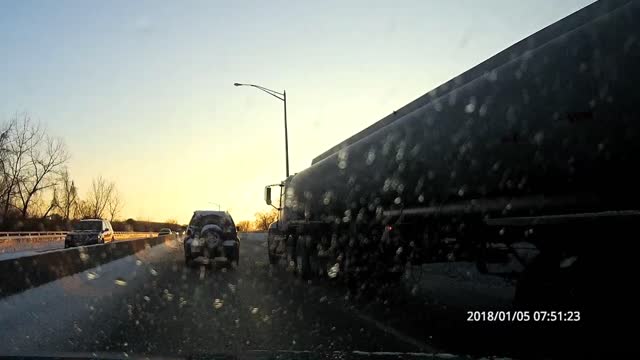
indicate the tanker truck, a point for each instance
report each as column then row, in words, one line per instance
column 532, row 149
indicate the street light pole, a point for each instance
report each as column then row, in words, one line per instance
column 283, row 97
column 286, row 136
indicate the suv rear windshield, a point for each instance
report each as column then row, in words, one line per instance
column 200, row 221
column 89, row 225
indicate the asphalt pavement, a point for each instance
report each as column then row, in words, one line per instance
column 152, row 303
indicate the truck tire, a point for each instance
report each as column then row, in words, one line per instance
column 235, row 262
column 303, row 266
column 543, row 285
column 188, row 259
column 273, row 259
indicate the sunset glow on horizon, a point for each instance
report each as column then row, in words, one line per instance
column 142, row 92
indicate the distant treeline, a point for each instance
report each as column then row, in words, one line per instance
column 57, row 223
column 37, row 192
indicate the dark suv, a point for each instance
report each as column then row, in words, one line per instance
column 211, row 235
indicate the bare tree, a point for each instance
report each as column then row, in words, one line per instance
column 54, row 204
column 82, row 210
column 68, row 199
column 264, row 219
column 22, row 137
column 98, row 197
column 38, row 206
column 43, row 165
column 244, row 225
column 4, row 165
column 114, row 203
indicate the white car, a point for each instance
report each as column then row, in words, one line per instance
column 164, row 232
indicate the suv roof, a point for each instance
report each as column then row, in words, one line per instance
column 209, row 212
column 93, row 220
column 201, row 213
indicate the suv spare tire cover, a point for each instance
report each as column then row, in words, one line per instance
column 210, row 228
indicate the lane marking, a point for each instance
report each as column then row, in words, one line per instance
column 391, row 331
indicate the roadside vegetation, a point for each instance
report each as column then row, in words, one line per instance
column 37, row 192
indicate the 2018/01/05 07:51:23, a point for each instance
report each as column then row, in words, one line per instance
column 523, row 316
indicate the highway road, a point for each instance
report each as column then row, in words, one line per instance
column 152, row 303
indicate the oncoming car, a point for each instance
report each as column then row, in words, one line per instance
column 212, row 235
column 164, row 231
column 89, row 232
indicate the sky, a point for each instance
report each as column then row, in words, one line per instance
column 142, row 91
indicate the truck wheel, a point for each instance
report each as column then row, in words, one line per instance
column 303, row 268
column 188, row 259
column 235, row 262
column 273, row 259
column 543, row 285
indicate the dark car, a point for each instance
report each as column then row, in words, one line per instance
column 212, row 235
column 90, row 232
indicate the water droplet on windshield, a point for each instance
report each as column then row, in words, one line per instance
column 333, row 271
column 469, row 108
column 153, row 272
column 232, row 288
column 342, row 159
column 146, row 298
column 120, row 282
column 371, row 156
column 138, row 262
column 217, row 303
column 483, row 110
column 92, row 275
column 84, row 256
column 254, row 310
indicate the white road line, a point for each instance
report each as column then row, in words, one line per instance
column 391, row 331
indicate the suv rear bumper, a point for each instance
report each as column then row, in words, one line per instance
column 229, row 249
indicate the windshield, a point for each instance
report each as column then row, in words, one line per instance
column 88, row 225
column 202, row 220
column 403, row 179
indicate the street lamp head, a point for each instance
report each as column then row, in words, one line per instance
column 237, row 84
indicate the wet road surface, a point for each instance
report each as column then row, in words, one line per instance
column 152, row 303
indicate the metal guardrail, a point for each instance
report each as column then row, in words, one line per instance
column 59, row 235
column 49, row 233
column 12, row 241
column 31, row 233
